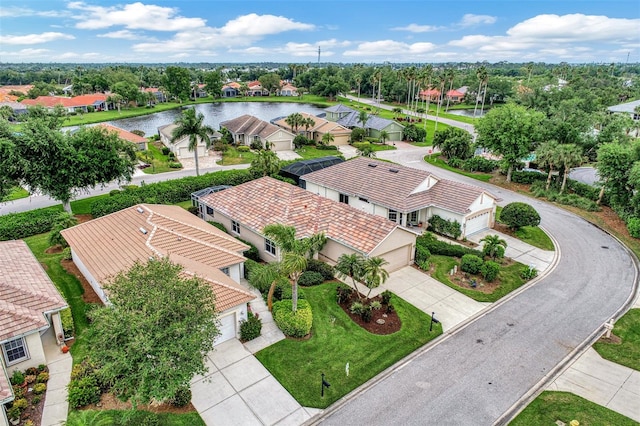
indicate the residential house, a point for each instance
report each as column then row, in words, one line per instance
column 321, row 126
column 404, row 195
column 248, row 129
column 287, row 89
column 103, row 247
column 256, row 89
column 632, row 109
column 139, row 141
column 181, row 147
column 300, row 168
column 231, row 90
column 82, row 103
column 16, row 107
column 374, row 126
column 247, row 208
column 455, row 96
column 160, row 97
column 432, row 95
column 30, row 308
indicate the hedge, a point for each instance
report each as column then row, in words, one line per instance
column 527, row 177
column 168, row 192
column 310, row 278
column 15, row 226
column 445, row 227
column 293, row 324
column 437, row 247
column 327, row 271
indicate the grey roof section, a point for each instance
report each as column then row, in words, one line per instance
column 15, row 106
column 339, row 108
column 373, row 122
column 206, row 191
column 628, row 107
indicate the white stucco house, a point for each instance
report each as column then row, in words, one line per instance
column 103, row 247
column 404, row 195
column 247, row 129
column 181, row 147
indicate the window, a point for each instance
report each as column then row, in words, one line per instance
column 225, row 271
column 344, row 198
column 270, row 246
column 209, row 211
column 15, row 351
column 235, row 227
column 413, row 217
column 393, row 215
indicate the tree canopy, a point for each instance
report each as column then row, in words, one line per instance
column 454, row 143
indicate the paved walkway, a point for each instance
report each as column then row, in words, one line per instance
column 270, row 332
column 55, row 403
column 288, row 155
column 348, row 151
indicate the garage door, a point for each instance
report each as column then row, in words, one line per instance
column 184, row 152
column 227, row 327
column 477, row 223
column 281, row 145
column 397, row 258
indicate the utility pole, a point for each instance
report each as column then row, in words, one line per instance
column 318, row 55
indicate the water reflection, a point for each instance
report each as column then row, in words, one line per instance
column 215, row 113
column 467, row 112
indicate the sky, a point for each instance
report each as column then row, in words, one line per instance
column 347, row 31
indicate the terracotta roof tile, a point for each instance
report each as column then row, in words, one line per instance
column 26, row 291
column 6, row 393
column 397, row 187
column 113, row 243
column 264, row 201
column 123, row 134
column 250, row 125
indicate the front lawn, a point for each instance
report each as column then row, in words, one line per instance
column 117, row 417
column 550, row 407
column 308, row 152
column 532, row 235
column 159, row 161
column 508, row 278
column 438, row 162
column 335, row 341
column 16, row 193
column 627, row 352
column 232, row 156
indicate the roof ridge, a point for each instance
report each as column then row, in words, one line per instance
column 215, row 281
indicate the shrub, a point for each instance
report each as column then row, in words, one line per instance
column 17, row 378
column 18, row 391
column 171, row 156
column 356, row 308
column 633, row 225
column 14, row 226
column 471, row 263
column 445, row 227
column 66, row 253
column 30, row 378
column 250, row 328
column 327, row 147
column 386, row 297
column 220, row 227
column 528, row 273
column 36, row 399
column 424, row 265
column 243, row 148
column 252, row 252
column 443, row 248
column 42, row 377
column 83, row 392
column 422, row 254
column 182, row 397
column 165, row 150
column 14, row 413
column 366, row 313
column 321, row 267
column 527, row 177
column 390, row 308
column 255, row 145
column 490, row 270
column 310, row 278
column 357, row 134
column 39, row 388
column 41, row 368
column 293, row 324
column 83, row 369
column 343, row 293
column 375, row 304
column 67, row 323
column 175, row 165
column 21, row 403
column 480, row 164
column 114, row 192
column 516, row 215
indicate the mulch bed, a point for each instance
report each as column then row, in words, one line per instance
column 89, row 295
column 391, row 321
column 464, row 279
column 108, row 401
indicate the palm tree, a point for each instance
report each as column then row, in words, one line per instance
column 494, row 246
column 265, row 163
column 363, row 117
column 425, row 77
column 547, row 156
column 352, row 266
column 262, row 276
column 308, row 122
column 191, row 125
column 366, row 150
column 481, row 73
column 450, row 74
column 443, row 79
column 358, row 80
column 294, row 121
column 117, row 99
column 294, row 253
column 327, row 138
column 374, row 273
column 529, row 68
column 384, row 135
column 485, row 80
column 570, row 156
column 396, row 112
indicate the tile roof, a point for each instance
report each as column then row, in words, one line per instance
column 339, row 108
column 628, row 107
column 26, row 291
column 264, row 201
column 113, row 243
column 322, row 125
column 250, row 125
column 76, row 101
column 405, row 190
column 6, row 393
column 124, row 134
column 373, row 122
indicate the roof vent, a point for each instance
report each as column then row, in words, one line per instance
column 372, row 165
column 144, row 231
column 394, row 170
column 140, row 210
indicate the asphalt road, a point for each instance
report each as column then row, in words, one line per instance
column 486, row 371
column 587, row 175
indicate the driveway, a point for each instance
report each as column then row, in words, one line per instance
column 288, row 155
column 239, row 390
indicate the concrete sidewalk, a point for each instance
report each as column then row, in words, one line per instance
column 56, row 405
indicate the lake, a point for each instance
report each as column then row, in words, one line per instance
column 215, row 113
column 467, row 112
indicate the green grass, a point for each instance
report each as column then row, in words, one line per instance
column 438, row 162
column 185, row 204
column 117, row 417
column 160, row 162
column 549, row 407
column 232, row 157
column 16, row 193
column 319, row 101
column 69, row 286
column 308, row 152
column 532, row 235
column 509, row 278
column 336, row 340
column 628, row 351
column 83, row 206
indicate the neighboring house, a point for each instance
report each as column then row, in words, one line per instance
column 247, row 208
column 160, row 97
column 374, row 126
column 455, row 96
column 247, row 129
column 103, row 247
column 80, row 103
column 287, row 89
column 17, row 107
column 629, row 108
column 231, row 90
column 30, row 306
column 181, row 147
column 341, row 134
column 255, row 89
column 404, row 195
column 139, row 141
column 301, row 168
column 429, row 94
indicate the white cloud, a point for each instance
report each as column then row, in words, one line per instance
column 35, row 38
column 389, row 47
column 17, row 12
column 261, row 25
column 26, row 53
column 122, row 34
column 471, row 19
column 575, row 28
column 132, row 16
column 415, row 28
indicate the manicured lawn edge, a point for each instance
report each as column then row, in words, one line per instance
column 626, row 353
column 532, row 235
column 126, row 417
column 434, row 159
column 335, row 340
